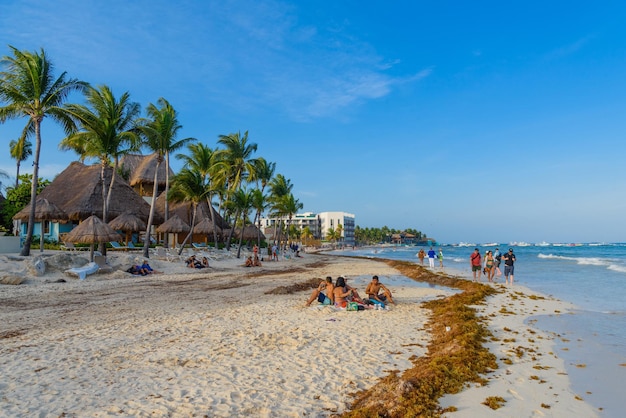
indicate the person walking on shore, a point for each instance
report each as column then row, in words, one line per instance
column 498, row 258
column 490, row 265
column 431, row 258
column 440, row 258
column 509, row 261
column 476, row 264
column 421, row 254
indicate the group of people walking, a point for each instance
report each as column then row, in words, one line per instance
column 489, row 265
column 431, row 257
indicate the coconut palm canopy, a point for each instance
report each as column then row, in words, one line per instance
column 92, row 230
column 128, row 222
column 78, row 192
column 249, row 232
column 44, row 211
column 173, row 225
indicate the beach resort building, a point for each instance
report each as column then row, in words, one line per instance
column 332, row 220
column 318, row 224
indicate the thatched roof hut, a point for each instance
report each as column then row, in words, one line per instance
column 78, row 192
column 185, row 211
column 141, row 170
column 44, row 211
column 174, row 225
column 250, row 232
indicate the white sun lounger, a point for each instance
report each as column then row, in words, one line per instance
column 84, row 271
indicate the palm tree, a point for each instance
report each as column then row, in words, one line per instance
column 290, row 207
column 262, row 175
column 238, row 155
column 30, row 89
column 188, row 186
column 20, row 151
column 107, row 130
column 203, row 160
column 306, row 234
column 159, row 131
column 242, row 203
column 279, row 188
column 339, row 231
column 237, row 164
column 331, row 235
column 259, row 202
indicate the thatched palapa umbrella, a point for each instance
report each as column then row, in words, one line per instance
column 173, row 225
column 91, row 231
column 44, row 211
column 128, row 222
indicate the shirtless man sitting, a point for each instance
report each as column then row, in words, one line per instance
column 329, row 296
column 373, row 291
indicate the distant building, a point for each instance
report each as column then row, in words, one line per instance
column 269, row 226
column 318, row 224
column 333, row 220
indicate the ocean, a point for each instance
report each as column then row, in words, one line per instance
column 591, row 276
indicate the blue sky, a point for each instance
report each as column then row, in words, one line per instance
column 470, row 121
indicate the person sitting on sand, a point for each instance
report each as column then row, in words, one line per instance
column 256, row 262
column 147, row 267
column 249, row 262
column 341, row 293
column 323, row 293
column 205, row 262
column 373, row 291
column 344, row 294
column 137, row 270
column 191, row 261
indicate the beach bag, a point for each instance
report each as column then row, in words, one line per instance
column 352, row 306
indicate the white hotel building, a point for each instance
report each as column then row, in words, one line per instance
column 319, row 224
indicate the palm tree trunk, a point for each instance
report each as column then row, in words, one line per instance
column 33, row 190
column 102, row 245
column 212, row 209
column 167, row 188
column 243, row 226
column 193, row 222
column 146, row 239
column 17, row 175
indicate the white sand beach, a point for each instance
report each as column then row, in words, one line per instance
column 215, row 343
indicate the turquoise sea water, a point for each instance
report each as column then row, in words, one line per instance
column 593, row 277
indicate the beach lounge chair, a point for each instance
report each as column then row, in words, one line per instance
column 117, row 246
column 84, row 271
column 197, row 246
column 69, row 246
column 101, row 261
column 163, row 254
column 131, row 246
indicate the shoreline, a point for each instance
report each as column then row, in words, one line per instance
column 181, row 343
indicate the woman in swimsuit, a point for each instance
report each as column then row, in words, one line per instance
column 489, row 266
column 342, row 293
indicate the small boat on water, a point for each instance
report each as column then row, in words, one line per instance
column 519, row 244
column 542, row 244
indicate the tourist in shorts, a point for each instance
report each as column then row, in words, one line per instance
column 509, row 261
column 476, row 264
